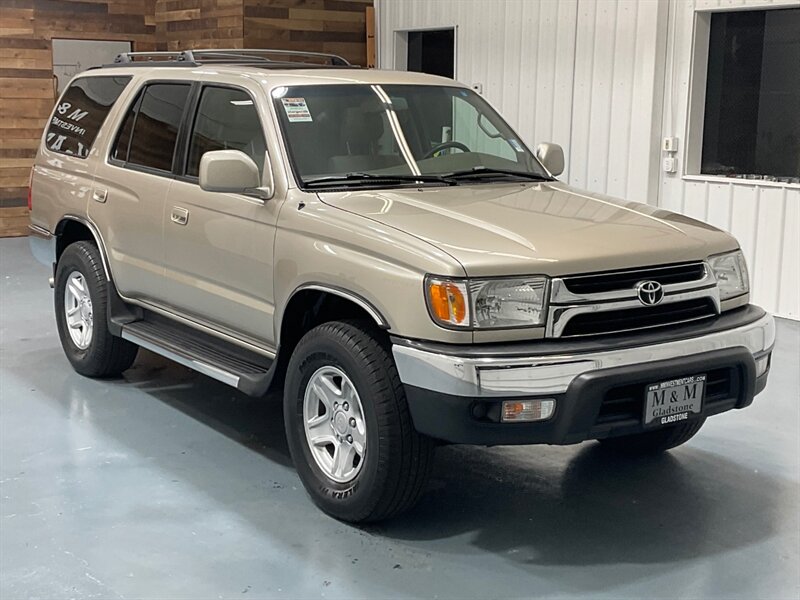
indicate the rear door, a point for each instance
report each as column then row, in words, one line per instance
column 131, row 186
column 218, row 246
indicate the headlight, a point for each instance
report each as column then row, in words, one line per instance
column 487, row 303
column 731, row 272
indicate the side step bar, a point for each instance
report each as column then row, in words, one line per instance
column 248, row 372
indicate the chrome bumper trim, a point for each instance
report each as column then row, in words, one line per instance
column 518, row 376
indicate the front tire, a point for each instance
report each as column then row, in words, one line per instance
column 348, row 426
column 81, row 303
column 656, row 441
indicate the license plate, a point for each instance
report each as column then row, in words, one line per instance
column 671, row 402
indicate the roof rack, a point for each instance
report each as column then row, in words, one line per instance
column 257, row 56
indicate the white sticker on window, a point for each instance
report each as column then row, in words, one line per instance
column 516, row 145
column 296, row 110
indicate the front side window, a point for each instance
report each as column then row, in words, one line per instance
column 226, row 120
column 358, row 133
column 751, row 126
column 81, row 112
column 149, row 131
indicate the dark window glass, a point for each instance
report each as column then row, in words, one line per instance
column 226, row 120
column 155, row 126
column 752, row 121
column 81, row 112
column 123, row 143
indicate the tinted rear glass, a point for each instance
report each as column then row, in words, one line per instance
column 150, row 129
column 81, row 112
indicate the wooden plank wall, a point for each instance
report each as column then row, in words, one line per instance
column 186, row 24
column 337, row 26
column 27, row 92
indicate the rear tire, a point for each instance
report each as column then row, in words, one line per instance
column 656, row 441
column 390, row 461
column 81, row 303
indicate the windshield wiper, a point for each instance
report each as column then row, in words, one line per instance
column 373, row 178
column 480, row 172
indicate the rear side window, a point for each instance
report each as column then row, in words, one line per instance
column 226, row 120
column 149, row 131
column 81, row 112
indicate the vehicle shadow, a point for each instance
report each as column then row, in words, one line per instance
column 256, row 423
column 590, row 506
column 535, row 505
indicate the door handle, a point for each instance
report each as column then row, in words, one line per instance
column 180, row 216
column 99, row 195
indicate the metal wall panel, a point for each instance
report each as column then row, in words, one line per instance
column 763, row 217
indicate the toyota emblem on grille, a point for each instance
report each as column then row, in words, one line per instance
column 650, row 292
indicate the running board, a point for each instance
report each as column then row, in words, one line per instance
column 248, row 372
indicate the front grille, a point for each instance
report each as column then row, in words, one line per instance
column 597, row 283
column 643, row 317
column 625, row 404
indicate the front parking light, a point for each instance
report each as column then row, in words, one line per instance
column 526, row 411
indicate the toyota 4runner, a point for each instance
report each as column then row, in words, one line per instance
column 388, row 250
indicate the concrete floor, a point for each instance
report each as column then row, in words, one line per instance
column 167, row 484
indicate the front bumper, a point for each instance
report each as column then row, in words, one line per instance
column 452, row 390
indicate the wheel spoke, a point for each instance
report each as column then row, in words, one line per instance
column 359, row 440
column 76, row 292
column 330, row 388
column 319, row 425
column 73, row 310
column 87, row 334
column 343, row 459
column 323, row 439
column 324, row 396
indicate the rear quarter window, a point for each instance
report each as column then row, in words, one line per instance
column 81, row 112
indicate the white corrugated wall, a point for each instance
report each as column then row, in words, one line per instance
column 607, row 79
column 764, row 218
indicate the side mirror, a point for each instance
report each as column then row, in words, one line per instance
column 233, row 172
column 552, row 157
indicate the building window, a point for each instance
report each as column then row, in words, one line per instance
column 751, row 127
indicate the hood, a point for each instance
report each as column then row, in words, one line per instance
column 547, row 228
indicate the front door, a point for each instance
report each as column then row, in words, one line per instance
column 218, row 247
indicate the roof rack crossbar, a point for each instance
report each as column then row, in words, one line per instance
column 194, row 57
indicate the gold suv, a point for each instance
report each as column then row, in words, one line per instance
column 385, row 247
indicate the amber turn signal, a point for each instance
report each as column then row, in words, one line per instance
column 448, row 302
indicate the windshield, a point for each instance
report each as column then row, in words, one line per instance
column 357, row 134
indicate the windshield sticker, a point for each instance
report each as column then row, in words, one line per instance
column 296, row 110
column 516, row 145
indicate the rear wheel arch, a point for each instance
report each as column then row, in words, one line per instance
column 71, row 229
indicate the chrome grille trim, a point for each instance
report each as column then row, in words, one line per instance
column 564, row 304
